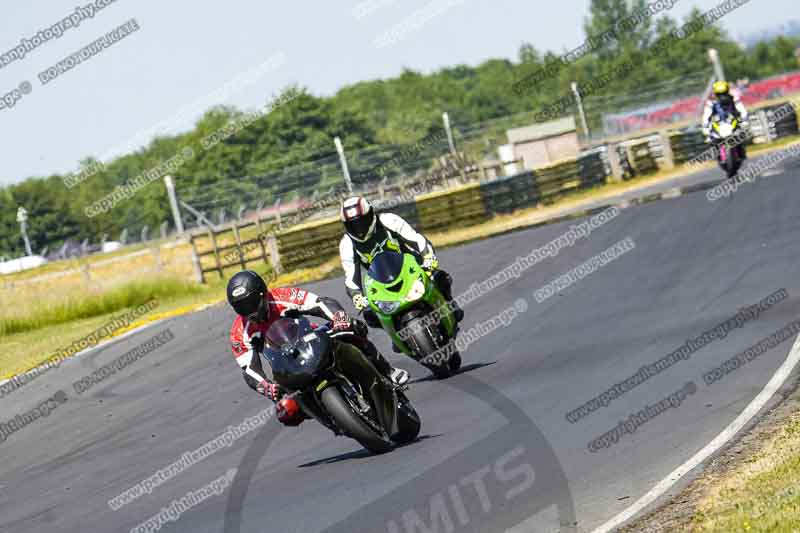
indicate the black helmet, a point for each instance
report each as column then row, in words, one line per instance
column 246, row 294
column 358, row 218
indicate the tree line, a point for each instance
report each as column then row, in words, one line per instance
column 400, row 111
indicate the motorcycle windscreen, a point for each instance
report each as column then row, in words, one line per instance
column 386, row 267
column 296, row 352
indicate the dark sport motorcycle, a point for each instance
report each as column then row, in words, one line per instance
column 335, row 383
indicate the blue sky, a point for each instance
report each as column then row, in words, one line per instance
column 185, row 55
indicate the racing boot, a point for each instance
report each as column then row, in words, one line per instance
column 397, row 376
column 444, row 282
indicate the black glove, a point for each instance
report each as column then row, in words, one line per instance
column 359, row 328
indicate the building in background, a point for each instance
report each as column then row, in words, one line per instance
column 541, row 144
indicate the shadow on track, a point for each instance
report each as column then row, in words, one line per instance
column 360, row 454
column 462, row 370
column 540, row 498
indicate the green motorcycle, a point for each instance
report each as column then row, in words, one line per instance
column 413, row 311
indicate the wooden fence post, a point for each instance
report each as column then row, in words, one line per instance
column 213, row 238
column 239, row 246
column 274, row 255
column 198, row 268
column 277, row 207
column 258, row 222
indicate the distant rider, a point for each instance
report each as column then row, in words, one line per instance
column 722, row 103
column 258, row 308
column 366, row 235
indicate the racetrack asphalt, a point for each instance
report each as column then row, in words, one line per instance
column 496, row 452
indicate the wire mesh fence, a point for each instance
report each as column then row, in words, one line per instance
column 662, row 105
column 672, row 104
column 299, row 192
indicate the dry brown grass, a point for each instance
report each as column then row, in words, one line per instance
column 762, row 494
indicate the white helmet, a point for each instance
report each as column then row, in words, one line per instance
column 358, row 218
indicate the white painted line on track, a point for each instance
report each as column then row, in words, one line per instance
column 752, row 409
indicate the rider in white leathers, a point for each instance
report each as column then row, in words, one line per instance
column 367, row 234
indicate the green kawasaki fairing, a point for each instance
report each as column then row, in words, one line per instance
column 400, row 291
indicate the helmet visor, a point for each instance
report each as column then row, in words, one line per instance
column 359, row 227
column 253, row 307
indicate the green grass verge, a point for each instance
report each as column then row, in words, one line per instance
column 81, row 305
column 761, row 495
column 20, row 352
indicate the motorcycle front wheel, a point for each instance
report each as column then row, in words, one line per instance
column 351, row 423
column 424, row 345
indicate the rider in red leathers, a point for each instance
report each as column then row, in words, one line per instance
column 258, row 307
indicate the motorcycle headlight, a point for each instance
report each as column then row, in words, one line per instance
column 387, row 307
column 416, row 292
